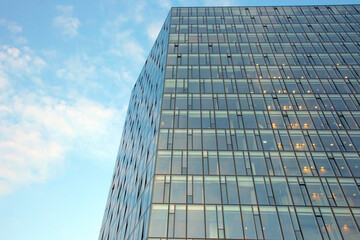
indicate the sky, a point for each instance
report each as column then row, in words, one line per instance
column 66, row 73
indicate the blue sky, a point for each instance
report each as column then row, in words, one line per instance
column 66, row 72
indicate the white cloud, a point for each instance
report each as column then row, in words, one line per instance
column 138, row 13
column 122, row 42
column 13, row 52
column 4, row 82
column 37, row 131
column 65, row 22
column 19, row 40
column 164, row 3
column 220, row 3
column 18, row 62
column 153, row 30
column 13, row 27
column 77, row 68
column 135, row 50
column 127, row 76
column 26, row 156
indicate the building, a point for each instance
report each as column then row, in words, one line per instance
column 243, row 124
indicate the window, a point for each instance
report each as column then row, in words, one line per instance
column 158, row 220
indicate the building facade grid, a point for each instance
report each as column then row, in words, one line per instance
column 258, row 127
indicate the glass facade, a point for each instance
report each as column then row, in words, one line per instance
column 252, row 130
column 127, row 210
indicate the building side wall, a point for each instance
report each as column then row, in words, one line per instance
column 127, row 211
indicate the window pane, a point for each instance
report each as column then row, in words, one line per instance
column 195, row 165
column 232, row 221
column 346, row 223
column 248, row 219
column 246, row 190
column 221, row 119
column 281, row 191
column 198, row 191
column 290, row 164
column 212, row 190
column 180, row 220
column 226, row 162
column 286, row 223
column 211, row 221
column 308, row 225
column 158, row 220
column 209, row 140
column 351, row 191
column 194, row 119
column 195, row 222
column 178, row 189
column 163, row 162
column 330, row 223
column 167, row 119
column 258, row 164
column 270, row 223
column 180, row 139
column 316, row 192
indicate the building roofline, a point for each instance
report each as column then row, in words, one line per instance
column 306, row 5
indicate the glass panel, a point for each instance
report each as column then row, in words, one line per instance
column 268, row 140
column 328, row 141
column 167, row 119
column 354, row 163
column 195, row 221
column 163, row 139
column 248, row 219
column 176, row 162
column 211, row 222
column 232, row 222
column 198, row 192
column 232, row 192
column 261, row 192
column 158, row 220
column 163, row 162
column 158, row 192
column 178, row 189
column 258, row 164
column 246, row 190
column 249, row 120
column 180, row 220
column 290, row 164
column 209, row 140
column 277, row 120
column 213, row 163
column 181, row 101
column 180, row 137
column 346, row 223
column 336, row 192
column 194, row 119
column 316, row 192
column 322, row 164
column 351, row 191
column 298, row 141
column 221, row 119
column 296, row 191
column 281, row 191
column 226, row 162
column 212, row 190
column 330, row 224
column 308, row 225
column 195, row 164
column 270, row 223
column 286, row 223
